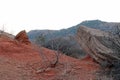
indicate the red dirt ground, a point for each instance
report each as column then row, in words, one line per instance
column 27, row 62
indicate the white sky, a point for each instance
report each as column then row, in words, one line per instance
column 17, row 15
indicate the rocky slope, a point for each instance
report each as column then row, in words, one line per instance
column 104, row 47
column 19, row 61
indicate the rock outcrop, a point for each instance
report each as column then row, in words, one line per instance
column 22, row 37
column 102, row 46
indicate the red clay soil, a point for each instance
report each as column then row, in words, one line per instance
column 27, row 62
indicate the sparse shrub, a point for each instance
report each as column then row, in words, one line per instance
column 67, row 46
column 112, row 73
column 40, row 40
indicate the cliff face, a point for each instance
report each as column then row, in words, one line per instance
column 101, row 46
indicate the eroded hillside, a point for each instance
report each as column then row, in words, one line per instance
column 21, row 61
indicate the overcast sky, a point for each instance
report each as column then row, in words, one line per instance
column 17, row 15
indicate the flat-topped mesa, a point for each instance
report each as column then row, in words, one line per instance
column 101, row 46
column 22, row 37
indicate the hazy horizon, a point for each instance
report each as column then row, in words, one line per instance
column 17, row 15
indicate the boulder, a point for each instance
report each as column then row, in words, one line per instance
column 103, row 47
column 22, row 37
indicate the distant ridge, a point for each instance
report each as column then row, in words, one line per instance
column 51, row 34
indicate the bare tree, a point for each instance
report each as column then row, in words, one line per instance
column 57, row 46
